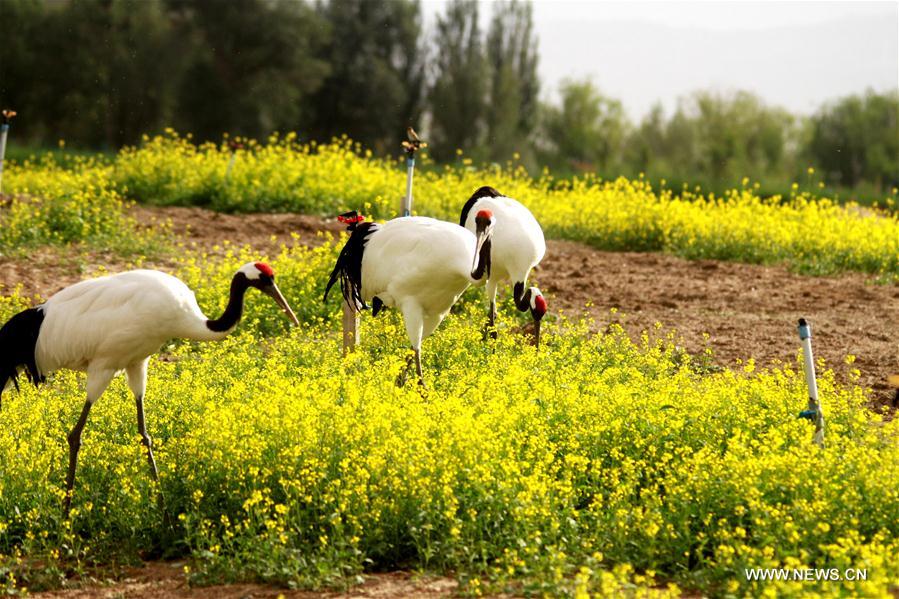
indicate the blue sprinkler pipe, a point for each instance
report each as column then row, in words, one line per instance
column 412, row 144
column 410, row 169
column 813, row 412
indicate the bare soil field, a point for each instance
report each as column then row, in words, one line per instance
column 747, row 311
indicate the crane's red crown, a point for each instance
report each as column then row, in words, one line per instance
column 265, row 269
column 540, row 305
column 485, row 214
column 350, row 218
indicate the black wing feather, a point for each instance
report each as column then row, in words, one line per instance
column 18, row 340
column 348, row 269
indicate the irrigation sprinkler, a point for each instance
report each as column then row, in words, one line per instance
column 6, row 116
column 813, row 412
column 410, row 146
column 350, row 314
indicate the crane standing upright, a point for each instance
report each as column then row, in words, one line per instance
column 416, row 264
column 518, row 246
column 115, row 323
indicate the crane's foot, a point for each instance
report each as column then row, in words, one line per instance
column 401, row 379
column 404, row 373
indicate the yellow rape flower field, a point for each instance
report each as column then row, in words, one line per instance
column 814, row 235
column 598, row 466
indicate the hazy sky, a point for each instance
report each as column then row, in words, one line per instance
column 793, row 54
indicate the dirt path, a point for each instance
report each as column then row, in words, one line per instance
column 747, row 310
column 163, row 580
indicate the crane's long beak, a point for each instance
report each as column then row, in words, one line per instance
column 276, row 295
column 537, row 333
column 482, row 236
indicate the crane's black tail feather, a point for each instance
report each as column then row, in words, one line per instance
column 349, row 267
column 18, row 341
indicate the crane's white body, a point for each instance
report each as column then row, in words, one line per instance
column 518, row 244
column 420, row 266
column 116, row 322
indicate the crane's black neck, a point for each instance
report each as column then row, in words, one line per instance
column 231, row 316
column 484, row 223
column 522, row 297
column 483, row 266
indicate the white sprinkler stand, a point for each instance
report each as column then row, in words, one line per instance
column 813, row 412
column 412, row 145
column 350, row 328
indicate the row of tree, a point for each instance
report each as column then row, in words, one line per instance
column 99, row 73
column 718, row 139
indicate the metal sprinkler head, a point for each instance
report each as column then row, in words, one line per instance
column 414, row 142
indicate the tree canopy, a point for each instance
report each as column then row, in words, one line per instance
column 107, row 71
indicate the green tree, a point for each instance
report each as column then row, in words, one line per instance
column 714, row 138
column 856, row 139
column 375, row 87
column 458, row 96
column 514, row 85
column 100, row 75
column 22, row 21
column 648, row 144
column 251, row 65
column 587, row 131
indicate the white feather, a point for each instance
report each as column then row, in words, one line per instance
column 518, row 243
column 114, row 322
column 420, row 266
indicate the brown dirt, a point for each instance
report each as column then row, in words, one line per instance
column 164, row 580
column 264, row 231
column 48, row 269
column 747, row 310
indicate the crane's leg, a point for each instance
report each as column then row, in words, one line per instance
column 414, row 321
column 137, row 381
column 421, row 377
column 404, row 373
column 97, row 381
column 490, row 327
column 430, row 324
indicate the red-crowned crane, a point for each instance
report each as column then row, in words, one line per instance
column 106, row 325
column 518, row 246
column 416, row 264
